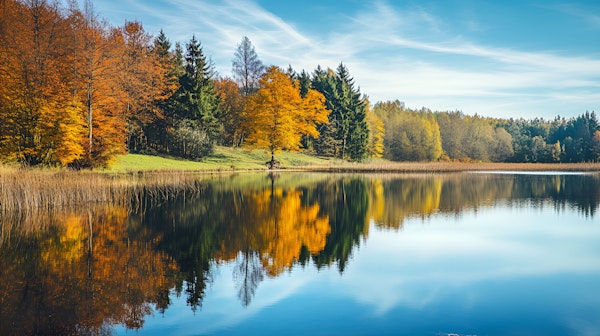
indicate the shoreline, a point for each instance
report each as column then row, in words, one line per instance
column 449, row 167
column 342, row 167
column 34, row 189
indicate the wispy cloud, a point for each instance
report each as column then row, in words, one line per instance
column 394, row 53
column 501, row 72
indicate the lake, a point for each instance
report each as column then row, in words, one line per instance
column 501, row 253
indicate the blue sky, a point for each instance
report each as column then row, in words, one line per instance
column 499, row 58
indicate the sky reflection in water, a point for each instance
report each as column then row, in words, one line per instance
column 297, row 254
column 498, row 270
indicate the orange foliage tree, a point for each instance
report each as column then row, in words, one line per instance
column 288, row 226
column 146, row 80
column 88, row 274
column 41, row 119
column 100, row 50
column 74, row 87
column 278, row 116
column 232, row 112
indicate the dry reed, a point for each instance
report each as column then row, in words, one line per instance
column 441, row 167
column 31, row 190
column 25, row 190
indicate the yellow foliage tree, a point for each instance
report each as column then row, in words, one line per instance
column 376, row 134
column 278, row 116
column 36, row 79
column 287, row 226
column 62, row 132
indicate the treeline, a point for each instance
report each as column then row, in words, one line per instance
column 423, row 135
column 77, row 91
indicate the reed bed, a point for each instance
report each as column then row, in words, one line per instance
column 32, row 190
column 441, row 167
column 23, row 189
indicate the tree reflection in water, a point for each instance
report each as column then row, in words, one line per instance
column 73, row 272
column 248, row 274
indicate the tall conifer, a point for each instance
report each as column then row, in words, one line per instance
column 195, row 105
column 346, row 134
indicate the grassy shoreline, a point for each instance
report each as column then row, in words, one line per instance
column 223, row 159
column 34, row 189
column 229, row 159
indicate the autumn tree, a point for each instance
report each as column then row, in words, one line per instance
column 278, row 116
column 146, row 79
column 297, row 226
column 232, row 112
column 376, row 134
column 247, row 67
column 169, row 69
column 100, row 49
column 77, row 86
column 78, row 261
column 474, row 137
column 409, row 135
column 419, row 197
column 41, row 119
column 502, row 149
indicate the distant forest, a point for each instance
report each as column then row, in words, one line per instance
column 77, row 91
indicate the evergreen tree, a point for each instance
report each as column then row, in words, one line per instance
column 162, row 45
column 171, row 69
column 305, row 83
column 195, row 105
column 179, row 61
column 326, row 144
column 579, row 139
column 357, row 128
column 348, row 115
column 303, row 80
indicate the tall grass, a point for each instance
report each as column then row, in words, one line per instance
column 30, row 190
column 23, row 190
column 440, row 167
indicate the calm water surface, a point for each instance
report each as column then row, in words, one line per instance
column 298, row 254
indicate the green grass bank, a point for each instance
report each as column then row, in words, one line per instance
column 236, row 159
column 223, row 159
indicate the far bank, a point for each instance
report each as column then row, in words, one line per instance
column 229, row 159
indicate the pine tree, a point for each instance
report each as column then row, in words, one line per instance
column 327, row 144
column 356, row 132
column 348, row 114
column 195, row 105
column 170, row 65
column 305, row 85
